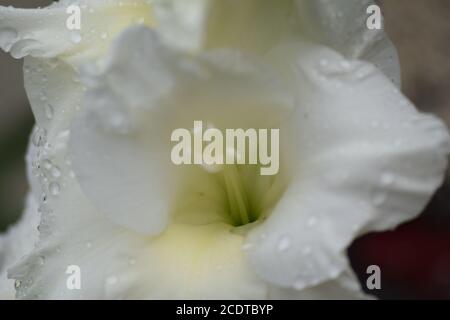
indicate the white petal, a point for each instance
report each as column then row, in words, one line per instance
column 43, row 32
column 344, row 287
column 72, row 225
column 257, row 26
column 342, row 26
column 18, row 241
column 181, row 23
column 72, row 233
column 185, row 262
column 196, row 262
column 367, row 160
column 52, row 58
column 140, row 94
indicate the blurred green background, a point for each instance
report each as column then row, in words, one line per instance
column 420, row 30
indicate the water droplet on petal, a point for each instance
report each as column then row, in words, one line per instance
column 299, row 284
column 46, row 164
column 44, row 209
column 323, row 63
column 284, row 243
column 56, row 172
column 54, row 188
column 41, row 260
column 334, row 271
column 48, row 111
column 39, row 137
column 387, row 179
column 75, row 37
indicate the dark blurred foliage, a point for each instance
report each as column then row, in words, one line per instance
column 415, row 258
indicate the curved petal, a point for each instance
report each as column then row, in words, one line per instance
column 258, row 26
column 136, row 98
column 341, row 25
column 181, row 23
column 196, row 262
column 115, row 263
column 72, row 233
column 344, row 287
column 44, row 33
column 367, row 160
column 18, row 241
column 53, row 54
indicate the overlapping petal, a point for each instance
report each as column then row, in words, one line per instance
column 44, row 32
column 15, row 244
column 257, row 26
column 361, row 157
column 367, row 160
column 121, row 144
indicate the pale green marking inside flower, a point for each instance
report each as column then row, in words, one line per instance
column 239, row 207
column 235, row 194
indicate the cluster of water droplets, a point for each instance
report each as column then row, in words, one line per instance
column 46, row 171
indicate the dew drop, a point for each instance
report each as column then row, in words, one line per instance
column 299, row 284
column 334, row 271
column 104, row 35
column 39, row 137
column 75, row 37
column 46, row 164
column 284, row 244
column 88, row 245
column 48, row 111
column 345, row 64
column 55, row 171
column 41, row 260
column 387, row 179
column 43, row 180
column 323, row 63
column 54, row 188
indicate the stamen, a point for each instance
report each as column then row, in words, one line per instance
column 239, row 207
column 237, row 198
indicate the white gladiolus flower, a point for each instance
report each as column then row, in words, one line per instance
column 355, row 154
